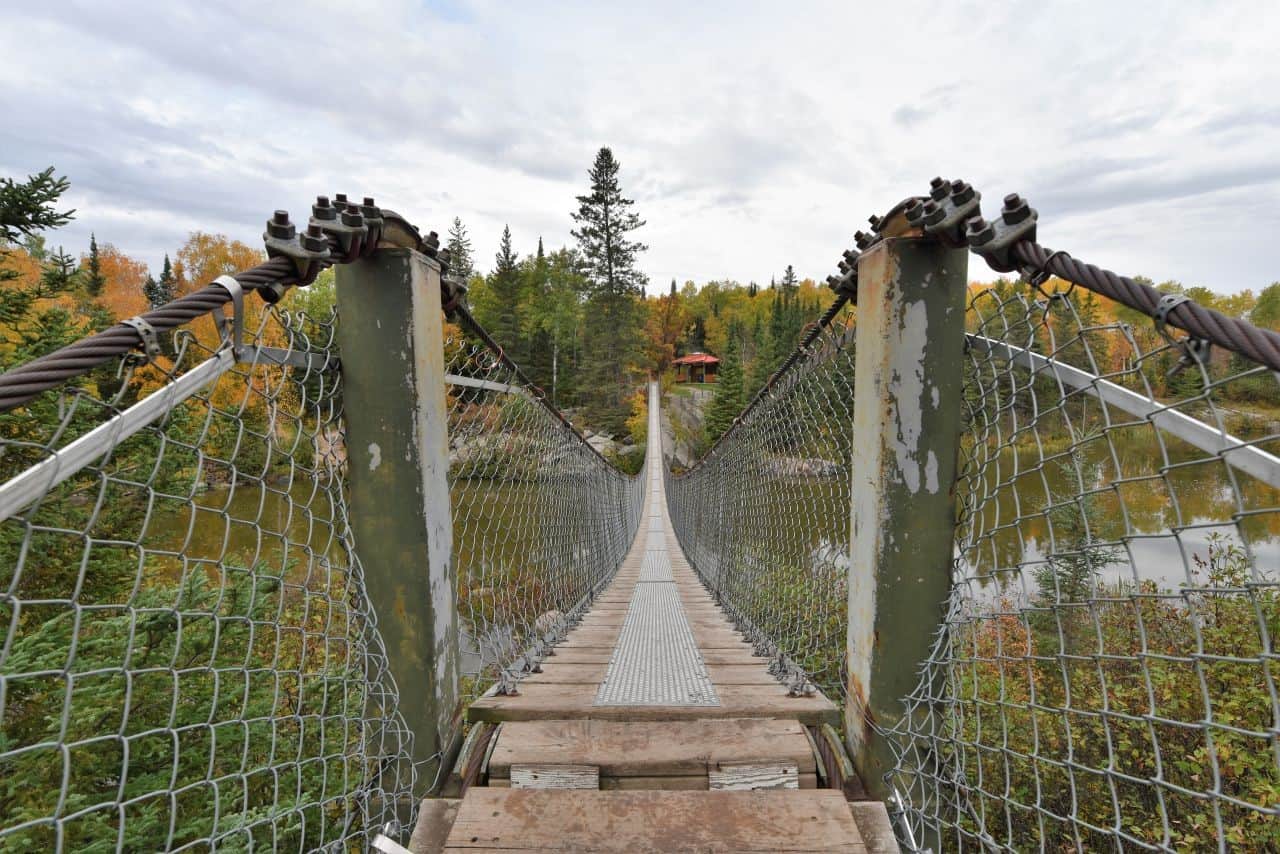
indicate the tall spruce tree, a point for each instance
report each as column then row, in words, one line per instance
column 604, row 219
column 160, row 291
column 790, row 284
column 94, row 281
column 612, row 322
column 461, row 259
column 505, row 285
column 730, row 395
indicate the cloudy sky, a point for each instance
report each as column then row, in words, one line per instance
column 750, row 135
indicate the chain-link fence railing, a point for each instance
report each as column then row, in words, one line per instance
column 764, row 517
column 541, row 520
column 1107, row 673
column 188, row 659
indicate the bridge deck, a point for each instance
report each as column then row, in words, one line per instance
column 655, row 690
column 655, row 646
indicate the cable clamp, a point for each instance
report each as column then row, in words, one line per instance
column 1193, row 350
column 995, row 240
column 1036, row 278
column 147, row 334
column 235, row 335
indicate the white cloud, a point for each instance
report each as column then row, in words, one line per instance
column 751, row 135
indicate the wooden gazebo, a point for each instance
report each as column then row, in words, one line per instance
column 696, row 368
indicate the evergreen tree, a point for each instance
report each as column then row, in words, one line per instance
column 764, row 361
column 94, row 281
column 604, row 219
column 168, row 283
column 151, row 290
column 59, row 275
column 729, row 395
column 539, row 355
column 160, row 292
column 612, row 322
column 789, row 281
column 502, row 317
column 461, row 260
column 26, row 209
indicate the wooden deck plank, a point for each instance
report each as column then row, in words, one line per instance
column 549, row 701
column 653, row 821
column 656, row 749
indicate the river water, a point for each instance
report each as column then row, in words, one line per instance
column 1140, row 510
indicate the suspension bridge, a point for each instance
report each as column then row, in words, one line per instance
column 975, row 569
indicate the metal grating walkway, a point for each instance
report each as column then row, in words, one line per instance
column 656, row 661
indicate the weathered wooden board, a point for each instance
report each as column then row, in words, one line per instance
column 651, row 748
column 748, row 776
column 547, row 776
column 560, row 702
column 654, row 821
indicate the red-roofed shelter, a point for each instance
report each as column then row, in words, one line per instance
column 696, row 368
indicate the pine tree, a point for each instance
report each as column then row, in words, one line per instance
column 461, row 260
column 94, row 281
column 150, row 290
column 729, row 395
column 168, row 283
column 789, row 281
column 27, row 207
column 612, row 322
column 504, row 285
column 60, row 274
column 764, row 362
column 604, row 219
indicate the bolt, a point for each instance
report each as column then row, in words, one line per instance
column 323, row 210
column 351, row 216
column 314, row 240
column 933, row 214
column 938, row 189
column 875, row 221
column 980, row 231
column 851, row 256
column 368, row 200
column 1015, row 209
column 843, row 266
column 279, row 227
column 339, row 199
column 962, row 194
column 914, row 211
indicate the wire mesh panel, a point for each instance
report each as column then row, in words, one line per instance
column 1107, row 674
column 764, row 517
column 188, row 660
column 541, row 521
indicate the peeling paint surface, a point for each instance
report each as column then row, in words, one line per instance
column 906, row 390
column 375, row 456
